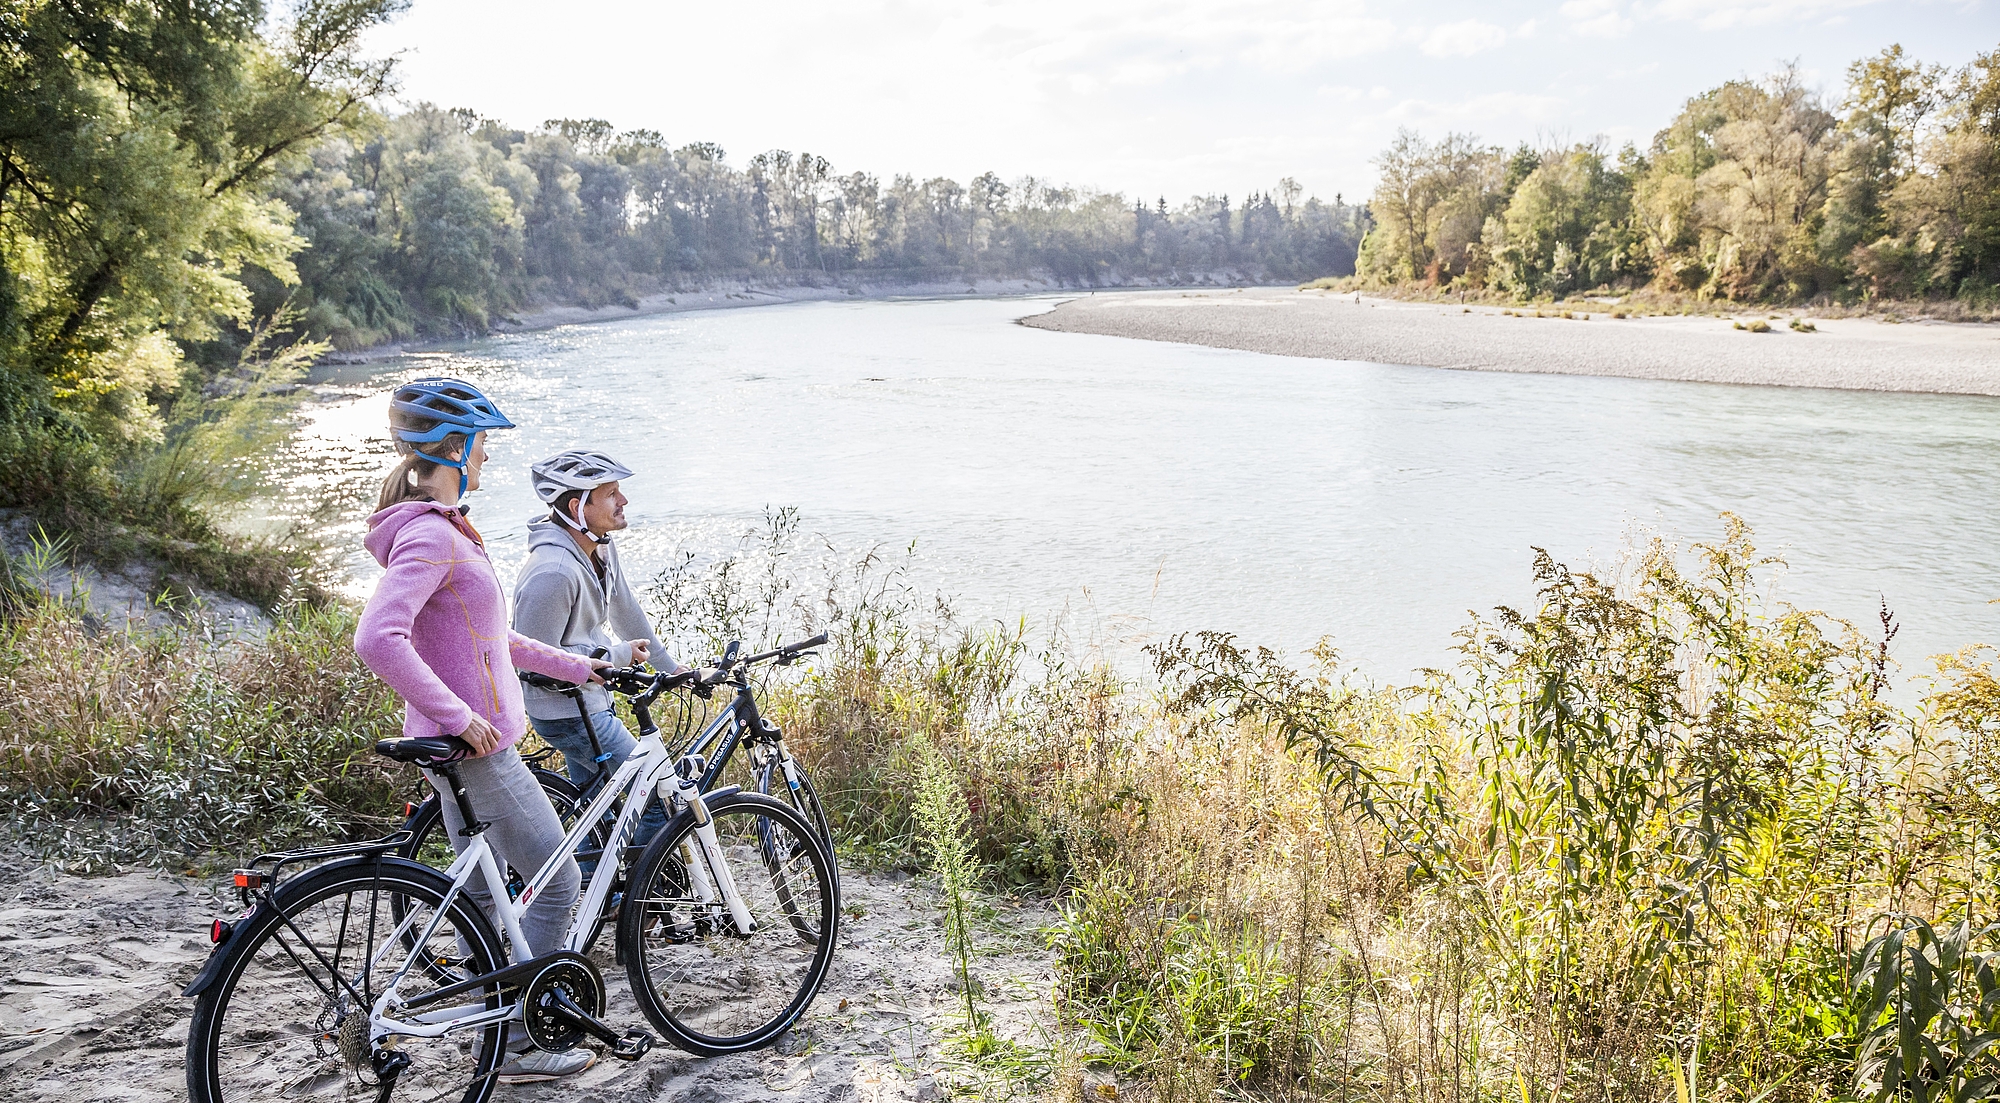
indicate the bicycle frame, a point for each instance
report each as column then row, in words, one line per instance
column 731, row 728
column 726, row 732
column 649, row 766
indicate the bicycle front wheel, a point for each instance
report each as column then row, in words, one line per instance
column 710, row 988
column 287, row 1016
column 804, row 799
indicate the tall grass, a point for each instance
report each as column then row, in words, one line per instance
column 1656, row 837
column 941, row 819
column 174, row 747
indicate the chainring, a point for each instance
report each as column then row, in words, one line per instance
column 575, row 977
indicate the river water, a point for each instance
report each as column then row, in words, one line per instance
column 1134, row 489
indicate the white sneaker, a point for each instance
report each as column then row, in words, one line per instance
column 538, row 1065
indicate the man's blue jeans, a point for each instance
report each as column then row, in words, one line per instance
column 616, row 743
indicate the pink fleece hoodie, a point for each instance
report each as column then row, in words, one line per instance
column 436, row 625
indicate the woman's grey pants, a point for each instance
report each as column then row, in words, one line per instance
column 523, row 831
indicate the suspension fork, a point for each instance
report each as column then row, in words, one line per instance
column 708, row 873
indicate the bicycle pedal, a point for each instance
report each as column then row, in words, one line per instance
column 632, row 1046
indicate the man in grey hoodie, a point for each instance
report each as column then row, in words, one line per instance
column 572, row 593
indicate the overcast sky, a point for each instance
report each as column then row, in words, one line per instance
column 1148, row 98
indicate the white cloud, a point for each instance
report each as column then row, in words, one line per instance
column 1597, row 18
column 1463, row 39
column 1515, row 113
column 1716, row 15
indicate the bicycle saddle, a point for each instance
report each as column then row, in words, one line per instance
column 425, row 750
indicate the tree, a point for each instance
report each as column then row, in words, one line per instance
column 1432, row 202
column 134, row 136
column 1566, row 226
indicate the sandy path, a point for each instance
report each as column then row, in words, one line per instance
column 91, row 971
column 1850, row 353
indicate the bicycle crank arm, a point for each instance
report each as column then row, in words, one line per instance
column 631, row 1047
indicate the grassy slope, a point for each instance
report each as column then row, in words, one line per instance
column 1636, row 825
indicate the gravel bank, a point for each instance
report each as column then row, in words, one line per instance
column 1849, row 354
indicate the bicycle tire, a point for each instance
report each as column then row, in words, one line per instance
column 805, row 801
column 666, row 932
column 279, row 1038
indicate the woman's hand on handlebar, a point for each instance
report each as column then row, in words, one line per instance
column 597, row 669
column 481, row 733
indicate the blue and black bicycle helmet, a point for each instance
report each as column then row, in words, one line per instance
column 426, row 411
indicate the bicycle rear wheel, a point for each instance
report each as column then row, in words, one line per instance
column 288, row 1013
column 709, row 988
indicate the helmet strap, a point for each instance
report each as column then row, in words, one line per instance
column 448, row 462
column 577, row 522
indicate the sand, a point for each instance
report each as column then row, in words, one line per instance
column 1849, row 354
column 91, row 971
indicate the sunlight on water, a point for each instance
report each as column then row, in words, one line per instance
column 1152, row 488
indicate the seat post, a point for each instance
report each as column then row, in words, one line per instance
column 473, row 824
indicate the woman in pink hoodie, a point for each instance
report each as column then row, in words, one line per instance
column 437, row 631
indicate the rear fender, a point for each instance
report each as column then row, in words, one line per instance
column 212, row 968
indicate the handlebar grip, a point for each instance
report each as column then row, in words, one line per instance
column 816, row 641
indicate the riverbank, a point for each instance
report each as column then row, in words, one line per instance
column 735, row 294
column 1845, row 353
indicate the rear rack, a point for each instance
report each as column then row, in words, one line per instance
column 262, row 871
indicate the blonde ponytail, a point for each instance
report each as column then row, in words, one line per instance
column 405, row 481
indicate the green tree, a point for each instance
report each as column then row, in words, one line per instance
column 133, row 139
column 456, row 228
column 1431, row 206
column 1566, row 227
column 1945, row 213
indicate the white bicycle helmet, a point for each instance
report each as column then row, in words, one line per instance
column 576, row 469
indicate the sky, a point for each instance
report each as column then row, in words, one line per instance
column 1158, row 98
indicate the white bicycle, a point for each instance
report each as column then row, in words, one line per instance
column 353, row 971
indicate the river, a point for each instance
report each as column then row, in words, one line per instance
column 1134, row 489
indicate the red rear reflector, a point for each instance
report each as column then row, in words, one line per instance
column 409, row 810
column 249, row 879
column 217, row 931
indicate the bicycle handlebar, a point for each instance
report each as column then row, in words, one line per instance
column 786, row 652
column 634, row 681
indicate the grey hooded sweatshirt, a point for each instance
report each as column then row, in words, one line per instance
column 559, row 599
